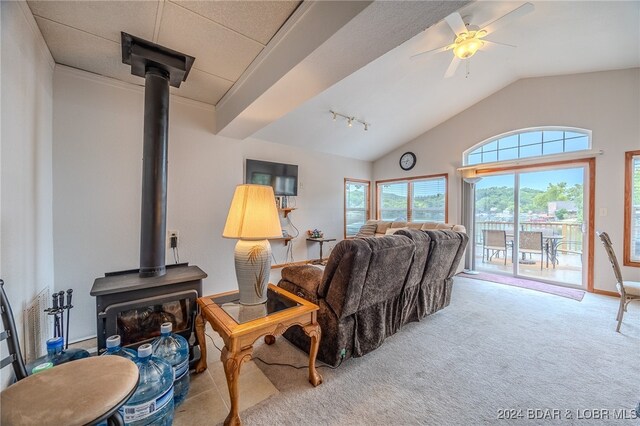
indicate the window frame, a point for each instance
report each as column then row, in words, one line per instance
column 628, row 185
column 407, row 180
column 584, row 132
column 367, row 203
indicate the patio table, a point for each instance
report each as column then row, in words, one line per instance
column 551, row 243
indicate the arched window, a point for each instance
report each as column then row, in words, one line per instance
column 528, row 143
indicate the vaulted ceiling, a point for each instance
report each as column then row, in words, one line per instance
column 274, row 69
column 403, row 98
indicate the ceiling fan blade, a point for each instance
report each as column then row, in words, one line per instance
column 491, row 44
column 433, row 51
column 505, row 19
column 456, row 23
column 453, row 66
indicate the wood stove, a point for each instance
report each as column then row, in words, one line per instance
column 134, row 308
column 134, row 303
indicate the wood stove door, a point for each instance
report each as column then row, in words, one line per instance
column 138, row 321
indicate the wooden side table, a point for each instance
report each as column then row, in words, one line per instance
column 321, row 241
column 241, row 325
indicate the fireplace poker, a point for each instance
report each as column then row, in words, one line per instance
column 54, row 311
column 61, row 308
column 68, row 306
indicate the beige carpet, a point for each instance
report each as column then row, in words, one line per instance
column 494, row 348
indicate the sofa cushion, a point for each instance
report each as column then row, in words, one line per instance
column 444, row 226
column 307, row 277
column 429, row 225
column 392, row 231
column 389, row 265
column 382, row 227
column 447, row 248
column 398, row 224
column 459, row 228
column 414, row 225
column 345, row 273
column 367, row 230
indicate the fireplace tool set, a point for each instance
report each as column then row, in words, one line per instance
column 57, row 310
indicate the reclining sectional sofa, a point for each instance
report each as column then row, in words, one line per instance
column 380, row 228
column 371, row 287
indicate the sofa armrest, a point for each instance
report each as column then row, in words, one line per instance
column 306, row 277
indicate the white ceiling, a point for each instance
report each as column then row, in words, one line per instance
column 404, row 98
column 224, row 36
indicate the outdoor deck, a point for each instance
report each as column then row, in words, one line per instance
column 568, row 269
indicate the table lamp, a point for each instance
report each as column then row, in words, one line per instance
column 252, row 219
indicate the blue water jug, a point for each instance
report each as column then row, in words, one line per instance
column 174, row 349
column 152, row 402
column 114, row 348
column 56, row 355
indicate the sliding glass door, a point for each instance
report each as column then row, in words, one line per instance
column 531, row 223
column 495, row 222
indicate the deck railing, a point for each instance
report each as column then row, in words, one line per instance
column 571, row 232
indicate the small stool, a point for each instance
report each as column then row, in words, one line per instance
column 86, row 391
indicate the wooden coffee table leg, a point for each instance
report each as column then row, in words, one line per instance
column 232, row 363
column 313, row 331
column 200, row 324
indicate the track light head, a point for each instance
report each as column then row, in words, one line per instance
column 349, row 119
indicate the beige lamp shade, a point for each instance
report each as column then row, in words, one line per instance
column 253, row 214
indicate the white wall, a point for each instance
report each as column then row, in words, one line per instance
column 608, row 103
column 97, row 156
column 26, row 248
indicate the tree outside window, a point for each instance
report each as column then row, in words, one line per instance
column 356, row 202
column 632, row 209
column 420, row 199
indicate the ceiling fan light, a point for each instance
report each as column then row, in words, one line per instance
column 467, row 48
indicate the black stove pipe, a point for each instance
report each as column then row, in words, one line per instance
column 154, row 173
column 161, row 67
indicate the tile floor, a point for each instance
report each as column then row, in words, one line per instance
column 208, row 399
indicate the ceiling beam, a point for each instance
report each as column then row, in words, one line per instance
column 322, row 43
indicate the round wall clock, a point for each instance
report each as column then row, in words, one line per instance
column 407, row 161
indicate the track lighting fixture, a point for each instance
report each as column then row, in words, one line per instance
column 350, row 120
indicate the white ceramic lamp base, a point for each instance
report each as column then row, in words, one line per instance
column 253, row 265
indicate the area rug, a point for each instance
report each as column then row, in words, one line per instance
column 570, row 293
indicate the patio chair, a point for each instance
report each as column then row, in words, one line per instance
column 493, row 242
column 531, row 242
column 628, row 290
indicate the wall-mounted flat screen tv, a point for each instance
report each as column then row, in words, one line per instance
column 282, row 177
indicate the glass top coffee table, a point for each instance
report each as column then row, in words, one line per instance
column 241, row 325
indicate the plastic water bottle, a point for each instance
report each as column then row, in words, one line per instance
column 114, row 348
column 152, row 402
column 174, row 349
column 56, row 355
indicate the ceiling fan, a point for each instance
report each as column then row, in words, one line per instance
column 470, row 38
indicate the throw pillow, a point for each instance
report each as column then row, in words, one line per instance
column 392, row 231
column 367, row 230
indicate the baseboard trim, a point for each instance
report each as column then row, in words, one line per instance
column 606, row 293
